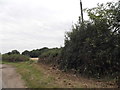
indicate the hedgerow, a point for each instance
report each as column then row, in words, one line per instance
column 51, row 56
column 93, row 47
column 14, row 58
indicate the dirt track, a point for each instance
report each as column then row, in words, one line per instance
column 10, row 78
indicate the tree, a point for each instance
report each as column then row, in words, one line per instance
column 109, row 13
column 34, row 53
column 26, row 52
column 13, row 52
column 94, row 49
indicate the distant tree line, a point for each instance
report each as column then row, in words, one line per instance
column 35, row 53
column 14, row 56
column 13, row 52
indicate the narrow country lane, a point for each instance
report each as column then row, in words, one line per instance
column 0, row 76
column 10, row 79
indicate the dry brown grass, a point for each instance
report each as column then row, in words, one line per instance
column 34, row 59
column 67, row 80
column 40, row 75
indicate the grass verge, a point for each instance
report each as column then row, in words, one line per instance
column 42, row 76
column 34, row 77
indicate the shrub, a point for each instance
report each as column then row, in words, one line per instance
column 14, row 58
column 50, row 56
column 51, row 53
column 93, row 48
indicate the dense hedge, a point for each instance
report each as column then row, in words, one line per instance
column 118, row 81
column 51, row 56
column 14, row 58
column 93, row 48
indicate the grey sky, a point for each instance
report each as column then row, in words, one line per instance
column 32, row 24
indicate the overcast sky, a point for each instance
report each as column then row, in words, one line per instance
column 33, row 24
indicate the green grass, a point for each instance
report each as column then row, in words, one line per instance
column 37, row 76
column 34, row 77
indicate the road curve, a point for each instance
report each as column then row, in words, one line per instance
column 10, row 78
